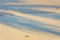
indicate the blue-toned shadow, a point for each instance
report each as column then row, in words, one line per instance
column 10, row 21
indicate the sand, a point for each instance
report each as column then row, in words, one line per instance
column 53, row 10
column 36, row 18
column 9, row 33
column 41, row 2
column 35, row 2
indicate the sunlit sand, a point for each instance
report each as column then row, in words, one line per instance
column 8, row 33
column 45, row 28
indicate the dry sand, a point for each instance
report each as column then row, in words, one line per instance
column 9, row 33
column 41, row 2
column 36, row 18
column 53, row 10
column 36, row 2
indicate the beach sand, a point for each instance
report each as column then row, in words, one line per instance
column 9, row 33
column 41, row 2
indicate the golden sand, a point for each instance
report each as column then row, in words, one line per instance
column 9, row 33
